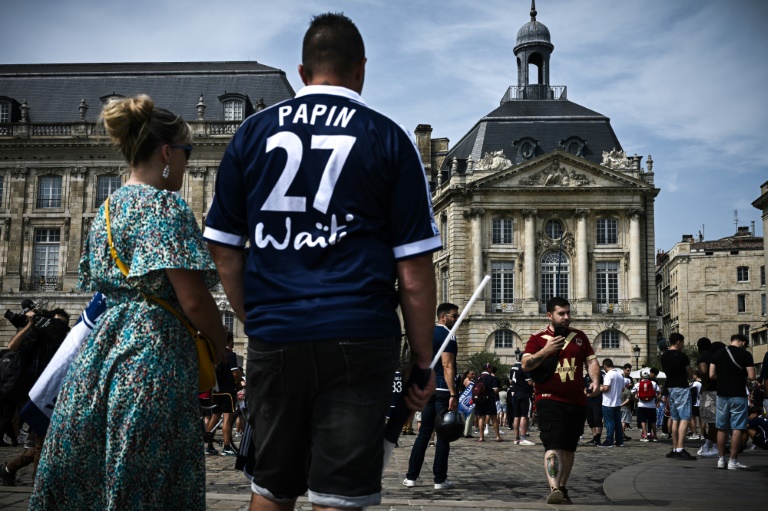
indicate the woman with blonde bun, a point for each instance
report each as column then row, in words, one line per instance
column 125, row 433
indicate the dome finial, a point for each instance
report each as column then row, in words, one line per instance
column 533, row 10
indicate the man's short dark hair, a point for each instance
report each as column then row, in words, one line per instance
column 60, row 312
column 627, row 366
column 445, row 308
column 332, row 45
column 607, row 362
column 717, row 345
column 703, row 344
column 654, row 371
column 740, row 337
column 675, row 337
column 557, row 301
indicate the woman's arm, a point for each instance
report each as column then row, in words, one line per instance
column 199, row 306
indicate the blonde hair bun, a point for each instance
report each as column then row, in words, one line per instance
column 124, row 118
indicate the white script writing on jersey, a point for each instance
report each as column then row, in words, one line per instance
column 331, row 234
column 319, row 114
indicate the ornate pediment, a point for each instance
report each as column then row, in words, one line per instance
column 556, row 175
column 617, row 160
column 545, row 243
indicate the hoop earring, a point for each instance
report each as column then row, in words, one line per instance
column 166, row 171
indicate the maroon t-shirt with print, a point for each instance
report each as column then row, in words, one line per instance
column 567, row 382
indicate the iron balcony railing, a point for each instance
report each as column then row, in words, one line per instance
column 48, row 203
column 40, row 283
column 517, row 92
column 613, row 307
column 515, row 305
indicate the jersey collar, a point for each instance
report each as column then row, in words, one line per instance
column 333, row 90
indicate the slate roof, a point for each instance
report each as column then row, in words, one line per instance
column 737, row 242
column 54, row 91
column 548, row 121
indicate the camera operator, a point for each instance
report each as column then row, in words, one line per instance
column 34, row 344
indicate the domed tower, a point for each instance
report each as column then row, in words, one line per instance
column 533, row 48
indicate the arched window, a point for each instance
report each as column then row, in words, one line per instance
column 555, row 270
column 504, row 339
column 610, row 340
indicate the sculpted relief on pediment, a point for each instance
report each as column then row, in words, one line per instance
column 556, row 175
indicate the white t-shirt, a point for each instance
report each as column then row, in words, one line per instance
column 616, row 382
column 640, row 402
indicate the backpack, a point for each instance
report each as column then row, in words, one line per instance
column 645, row 390
column 11, row 373
column 479, row 391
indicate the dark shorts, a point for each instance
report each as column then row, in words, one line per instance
column 487, row 407
column 522, row 407
column 695, row 411
column 595, row 414
column 560, row 424
column 647, row 415
column 317, row 414
column 225, row 401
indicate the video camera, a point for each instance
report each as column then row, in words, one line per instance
column 43, row 320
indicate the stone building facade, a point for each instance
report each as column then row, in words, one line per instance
column 540, row 196
column 713, row 288
column 759, row 335
column 57, row 165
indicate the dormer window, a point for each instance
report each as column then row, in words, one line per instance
column 109, row 97
column 236, row 106
column 573, row 145
column 5, row 112
column 526, row 148
column 233, row 110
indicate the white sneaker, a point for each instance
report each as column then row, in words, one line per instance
column 720, row 463
column 711, row 453
column 407, row 482
column 525, row 441
column 445, row 485
column 735, row 465
column 486, row 430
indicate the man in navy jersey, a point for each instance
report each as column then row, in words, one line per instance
column 333, row 201
column 444, row 398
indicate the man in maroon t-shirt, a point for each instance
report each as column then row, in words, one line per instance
column 560, row 401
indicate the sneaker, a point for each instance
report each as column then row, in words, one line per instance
column 517, row 441
column 228, row 451
column 644, row 440
column 445, row 485
column 626, row 438
column 211, row 451
column 604, row 444
column 8, row 478
column 556, row 496
column 619, row 445
column 707, row 453
column 685, row 455
column 671, row 454
column 409, row 483
column 721, row 463
column 525, row 441
column 735, row 465
column 566, row 498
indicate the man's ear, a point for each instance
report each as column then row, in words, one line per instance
column 303, row 75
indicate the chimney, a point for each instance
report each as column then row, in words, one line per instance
column 687, row 238
column 743, row 231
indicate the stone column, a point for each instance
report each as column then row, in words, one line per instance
column 634, row 253
column 475, row 215
column 582, row 266
column 529, row 247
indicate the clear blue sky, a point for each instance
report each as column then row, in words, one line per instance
column 681, row 80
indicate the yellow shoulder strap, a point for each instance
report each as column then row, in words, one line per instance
column 125, row 269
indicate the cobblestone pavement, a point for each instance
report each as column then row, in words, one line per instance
column 494, row 475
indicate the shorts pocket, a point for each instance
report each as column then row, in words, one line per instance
column 370, row 367
column 265, row 381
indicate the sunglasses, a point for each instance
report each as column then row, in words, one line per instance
column 187, row 149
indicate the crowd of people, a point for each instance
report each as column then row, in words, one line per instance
column 308, row 234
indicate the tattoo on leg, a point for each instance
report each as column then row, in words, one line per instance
column 552, row 466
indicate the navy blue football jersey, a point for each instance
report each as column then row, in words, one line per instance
column 327, row 195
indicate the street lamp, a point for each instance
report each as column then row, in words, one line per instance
column 636, row 349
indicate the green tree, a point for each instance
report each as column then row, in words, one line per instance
column 477, row 360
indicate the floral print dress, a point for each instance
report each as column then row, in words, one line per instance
column 125, row 433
